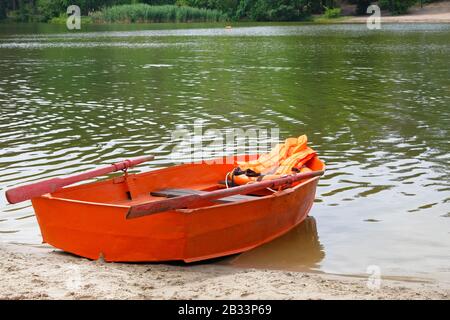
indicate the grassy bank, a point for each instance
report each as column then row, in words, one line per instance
column 174, row 14
column 62, row 19
column 146, row 13
column 319, row 19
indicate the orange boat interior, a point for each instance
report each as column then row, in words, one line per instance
column 133, row 189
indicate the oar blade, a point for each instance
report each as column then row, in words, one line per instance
column 30, row 191
column 33, row 190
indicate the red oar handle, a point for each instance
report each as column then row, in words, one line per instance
column 40, row 188
column 153, row 207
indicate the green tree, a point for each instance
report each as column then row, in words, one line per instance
column 2, row 10
column 397, row 6
column 48, row 9
column 277, row 10
column 362, row 5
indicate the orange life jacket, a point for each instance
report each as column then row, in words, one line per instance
column 286, row 158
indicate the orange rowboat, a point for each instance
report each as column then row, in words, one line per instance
column 91, row 220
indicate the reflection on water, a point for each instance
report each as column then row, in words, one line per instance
column 375, row 105
column 297, row 250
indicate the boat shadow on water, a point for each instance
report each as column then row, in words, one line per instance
column 297, row 250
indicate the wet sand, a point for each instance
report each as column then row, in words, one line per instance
column 45, row 273
column 432, row 13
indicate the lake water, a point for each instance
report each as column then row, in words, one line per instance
column 374, row 104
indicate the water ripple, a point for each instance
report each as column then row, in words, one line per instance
column 374, row 105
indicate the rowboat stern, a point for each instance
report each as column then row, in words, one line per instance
column 95, row 230
column 234, row 228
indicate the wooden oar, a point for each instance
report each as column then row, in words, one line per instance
column 153, row 207
column 29, row 191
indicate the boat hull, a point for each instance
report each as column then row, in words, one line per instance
column 93, row 229
column 246, row 226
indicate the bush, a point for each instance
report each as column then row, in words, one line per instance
column 166, row 13
column 397, row 6
column 283, row 13
column 269, row 10
column 48, row 9
column 62, row 19
column 260, row 11
column 332, row 13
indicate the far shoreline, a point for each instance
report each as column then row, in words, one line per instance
column 433, row 13
column 388, row 20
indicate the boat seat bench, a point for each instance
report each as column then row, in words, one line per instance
column 173, row 193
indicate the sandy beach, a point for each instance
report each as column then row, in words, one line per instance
column 375, row 105
column 432, row 13
column 46, row 273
